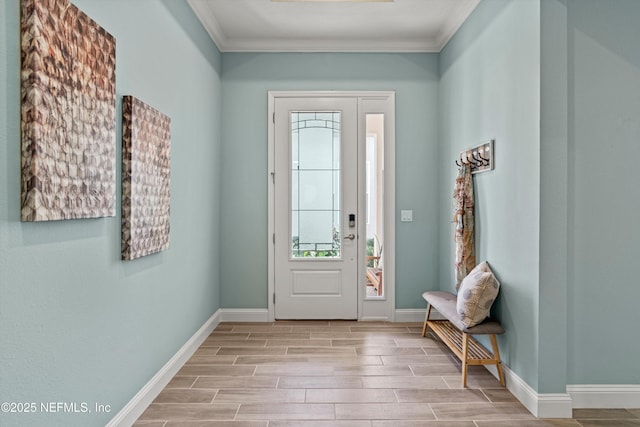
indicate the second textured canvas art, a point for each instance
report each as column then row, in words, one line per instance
column 146, row 146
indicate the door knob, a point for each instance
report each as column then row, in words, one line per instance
column 350, row 236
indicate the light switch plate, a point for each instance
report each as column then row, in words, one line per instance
column 406, row 216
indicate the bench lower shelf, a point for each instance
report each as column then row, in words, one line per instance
column 466, row 348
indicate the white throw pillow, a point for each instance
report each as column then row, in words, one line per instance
column 476, row 295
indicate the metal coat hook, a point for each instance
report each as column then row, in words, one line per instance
column 471, row 162
column 478, row 158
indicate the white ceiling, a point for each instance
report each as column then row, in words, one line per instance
column 332, row 26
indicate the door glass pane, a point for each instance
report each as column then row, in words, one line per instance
column 316, row 190
column 315, row 184
column 374, row 199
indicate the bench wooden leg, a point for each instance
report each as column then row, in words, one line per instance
column 465, row 358
column 426, row 318
column 496, row 354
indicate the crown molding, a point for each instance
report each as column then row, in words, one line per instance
column 209, row 22
column 453, row 25
column 327, row 45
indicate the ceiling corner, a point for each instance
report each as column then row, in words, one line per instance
column 453, row 25
column 209, row 22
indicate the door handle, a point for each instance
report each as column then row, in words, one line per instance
column 350, row 236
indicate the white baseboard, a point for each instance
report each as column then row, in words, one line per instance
column 374, row 319
column 244, row 314
column 541, row 405
column 605, row 395
column 262, row 315
column 136, row 406
column 405, row 315
column 561, row 405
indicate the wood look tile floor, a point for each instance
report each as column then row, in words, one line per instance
column 341, row 373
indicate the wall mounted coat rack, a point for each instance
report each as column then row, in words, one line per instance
column 480, row 157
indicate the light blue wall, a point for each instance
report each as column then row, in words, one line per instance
column 246, row 80
column 555, row 218
column 76, row 323
column 604, row 200
column 489, row 89
column 552, row 308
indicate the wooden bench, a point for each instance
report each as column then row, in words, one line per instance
column 374, row 275
column 457, row 336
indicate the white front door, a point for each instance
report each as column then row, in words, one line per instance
column 316, row 208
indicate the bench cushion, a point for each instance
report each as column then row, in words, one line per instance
column 445, row 303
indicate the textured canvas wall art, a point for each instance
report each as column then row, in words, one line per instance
column 146, row 146
column 68, row 113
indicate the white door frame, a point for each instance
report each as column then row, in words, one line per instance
column 368, row 102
